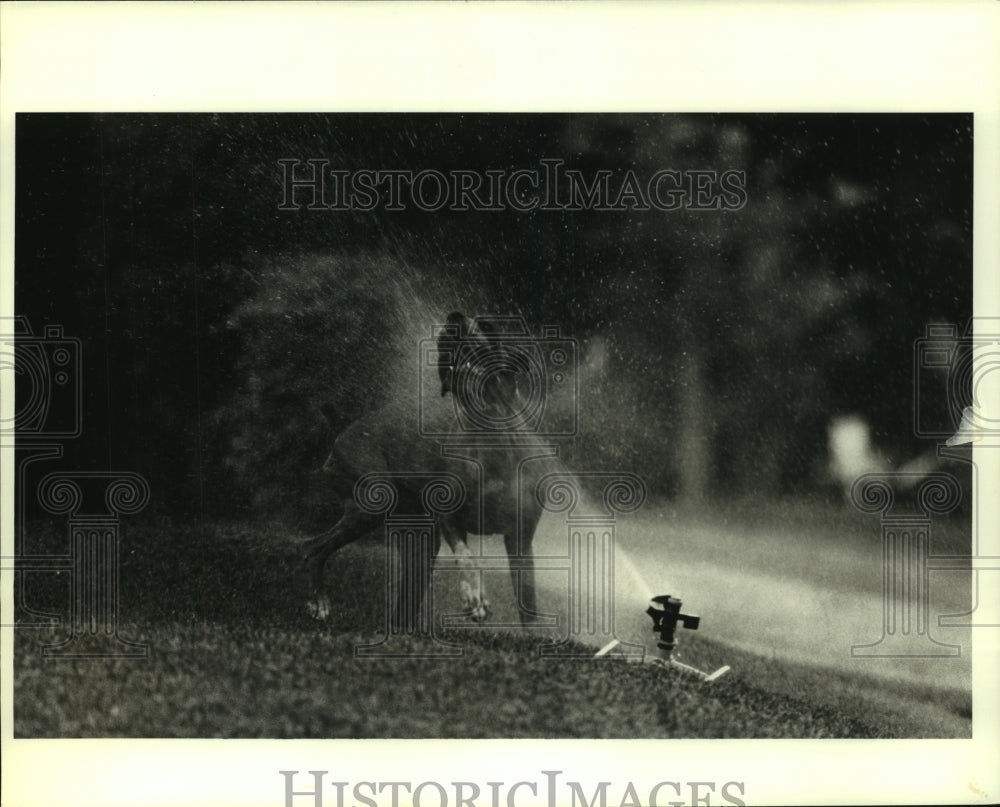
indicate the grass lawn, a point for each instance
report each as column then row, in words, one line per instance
column 233, row 654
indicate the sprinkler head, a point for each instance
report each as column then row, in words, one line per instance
column 666, row 613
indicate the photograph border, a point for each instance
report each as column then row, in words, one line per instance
column 593, row 57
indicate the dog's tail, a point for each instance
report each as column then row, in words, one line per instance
column 329, row 414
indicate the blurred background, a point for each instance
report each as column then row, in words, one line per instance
column 764, row 353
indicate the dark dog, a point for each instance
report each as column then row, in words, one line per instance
column 499, row 472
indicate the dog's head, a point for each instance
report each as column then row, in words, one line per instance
column 475, row 367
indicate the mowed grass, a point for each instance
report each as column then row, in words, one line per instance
column 233, row 654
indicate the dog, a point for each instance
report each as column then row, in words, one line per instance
column 498, row 472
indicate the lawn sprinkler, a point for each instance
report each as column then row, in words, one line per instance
column 666, row 613
column 665, row 621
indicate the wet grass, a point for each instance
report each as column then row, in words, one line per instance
column 214, row 680
column 232, row 654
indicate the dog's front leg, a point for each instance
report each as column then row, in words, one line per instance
column 472, row 588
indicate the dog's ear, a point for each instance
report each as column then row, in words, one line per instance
column 456, row 329
column 457, row 320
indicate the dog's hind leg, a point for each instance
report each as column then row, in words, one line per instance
column 522, row 576
column 352, row 525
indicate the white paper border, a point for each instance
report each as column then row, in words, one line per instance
column 685, row 57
